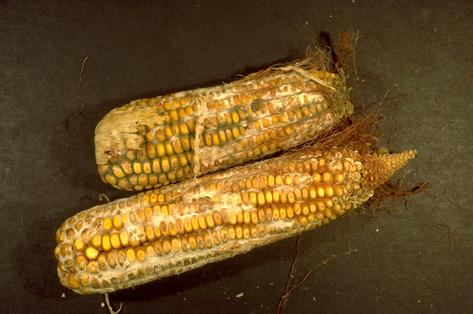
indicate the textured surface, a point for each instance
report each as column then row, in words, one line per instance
column 420, row 52
column 166, row 139
column 180, row 227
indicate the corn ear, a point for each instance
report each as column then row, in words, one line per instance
column 153, row 142
column 180, row 227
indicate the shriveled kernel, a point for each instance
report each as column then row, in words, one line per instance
column 338, row 191
column 81, row 262
column 238, row 232
column 73, row 281
column 130, row 255
column 176, row 245
column 112, row 259
column 140, row 254
column 246, row 232
column 275, row 213
column 217, row 218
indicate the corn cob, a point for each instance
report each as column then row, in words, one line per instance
column 180, row 227
column 153, row 142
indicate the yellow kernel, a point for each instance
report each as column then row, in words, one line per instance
column 339, row 177
column 283, row 197
column 235, row 132
column 275, row 213
column 327, row 177
column 187, row 225
column 130, row 255
column 305, row 210
column 253, row 198
column 261, row 198
column 338, row 191
column 288, row 180
column 106, row 242
column 233, row 219
column 91, row 253
column 271, row 180
column 210, row 221
column 117, row 171
column 282, row 213
column 168, row 148
column 78, row 244
column 235, row 117
column 97, row 240
column 312, row 192
column 238, row 232
column 124, row 238
column 149, row 233
column 320, row 191
column 290, row 212
column 160, row 150
column 202, row 223
column 172, row 229
column 176, row 246
column 73, row 281
column 195, row 223
column 329, row 191
column 117, row 222
column 137, row 167
column 279, row 180
column 317, row 177
column 276, row 196
column 107, row 223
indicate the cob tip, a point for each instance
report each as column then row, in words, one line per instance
column 380, row 167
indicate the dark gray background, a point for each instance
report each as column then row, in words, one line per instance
column 414, row 259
